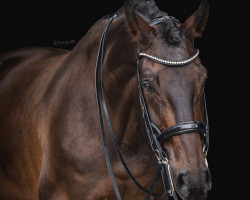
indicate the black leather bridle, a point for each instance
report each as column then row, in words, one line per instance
column 155, row 135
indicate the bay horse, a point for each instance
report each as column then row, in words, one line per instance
column 51, row 147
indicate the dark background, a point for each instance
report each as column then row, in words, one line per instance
column 223, row 51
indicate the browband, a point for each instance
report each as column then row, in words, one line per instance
column 168, row 62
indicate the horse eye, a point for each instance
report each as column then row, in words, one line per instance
column 147, row 86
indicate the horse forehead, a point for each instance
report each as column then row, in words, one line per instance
column 169, row 74
column 175, row 82
column 178, row 75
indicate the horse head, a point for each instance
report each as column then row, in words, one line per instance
column 174, row 95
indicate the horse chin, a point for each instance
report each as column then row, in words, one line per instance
column 202, row 197
column 194, row 197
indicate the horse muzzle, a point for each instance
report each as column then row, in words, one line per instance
column 193, row 186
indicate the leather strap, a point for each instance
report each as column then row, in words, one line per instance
column 160, row 19
column 164, row 181
column 104, row 142
column 186, row 127
column 100, row 93
column 205, row 143
column 158, row 170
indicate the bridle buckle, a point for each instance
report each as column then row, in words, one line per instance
column 161, row 159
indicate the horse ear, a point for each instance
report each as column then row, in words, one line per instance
column 136, row 24
column 195, row 24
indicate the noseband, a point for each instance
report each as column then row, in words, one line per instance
column 155, row 135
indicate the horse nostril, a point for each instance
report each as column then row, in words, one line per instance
column 182, row 184
column 193, row 184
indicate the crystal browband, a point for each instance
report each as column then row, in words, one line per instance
column 168, row 62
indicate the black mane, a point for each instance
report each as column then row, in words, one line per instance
column 147, row 8
column 149, row 11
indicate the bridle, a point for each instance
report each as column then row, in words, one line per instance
column 155, row 135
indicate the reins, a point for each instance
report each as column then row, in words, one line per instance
column 99, row 92
column 155, row 135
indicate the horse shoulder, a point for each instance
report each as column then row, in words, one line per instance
column 24, row 77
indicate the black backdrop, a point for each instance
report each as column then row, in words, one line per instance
column 223, row 52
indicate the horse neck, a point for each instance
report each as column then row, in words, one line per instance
column 120, row 86
column 119, row 79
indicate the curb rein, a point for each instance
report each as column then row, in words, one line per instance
column 155, row 135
